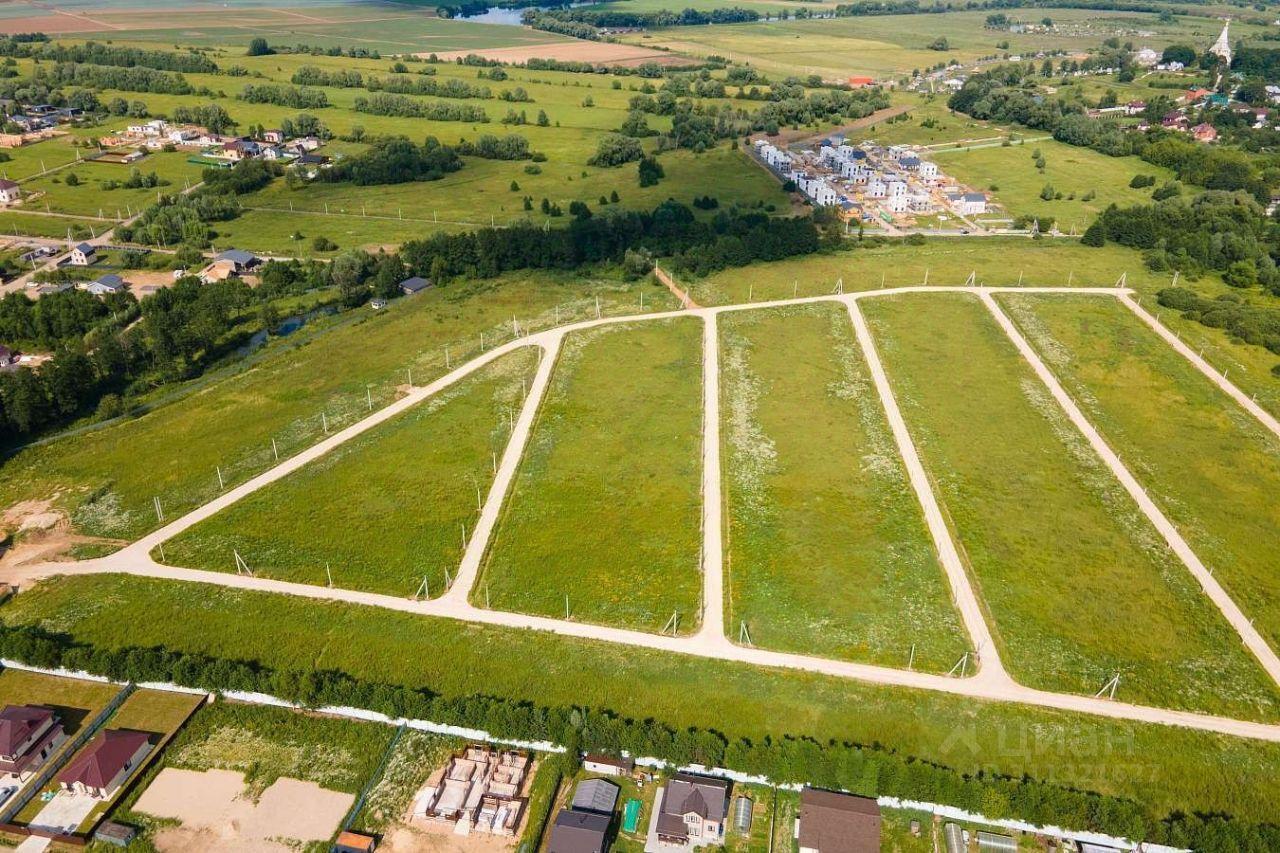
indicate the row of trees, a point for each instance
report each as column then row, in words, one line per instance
column 668, row 229
column 866, row 769
column 386, row 104
column 338, row 78
column 296, row 97
column 109, row 54
column 1253, row 324
column 513, row 146
column 661, row 18
column 136, row 79
column 397, row 160
column 412, row 84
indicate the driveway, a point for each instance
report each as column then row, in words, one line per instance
column 65, row 812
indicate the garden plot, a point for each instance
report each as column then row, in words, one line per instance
column 826, row 549
column 383, row 511
column 1078, row 585
column 1210, row 465
column 605, row 510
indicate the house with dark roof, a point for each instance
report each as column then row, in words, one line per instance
column 417, row 284
column 595, row 795
column 103, row 765
column 579, row 832
column 692, row 811
column 239, row 259
column 830, row 822
column 29, row 734
column 83, row 255
column 104, row 285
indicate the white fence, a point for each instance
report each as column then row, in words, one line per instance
column 946, row 812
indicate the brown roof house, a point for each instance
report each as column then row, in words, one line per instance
column 692, row 811
column 29, row 734
column 579, row 832
column 105, row 763
column 837, row 823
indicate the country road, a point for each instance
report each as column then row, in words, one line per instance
column 988, row 681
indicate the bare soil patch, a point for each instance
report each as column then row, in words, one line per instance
column 216, row 813
column 605, row 53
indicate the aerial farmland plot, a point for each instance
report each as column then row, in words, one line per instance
column 1077, row 584
column 605, row 511
column 826, row 549
column 1211, row 466
column 382, row 513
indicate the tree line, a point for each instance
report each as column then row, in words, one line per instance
column 137, row 79
column 395, row 160
column 387, row 104
column 866, row 769
column 95, row 53
column 296, row 97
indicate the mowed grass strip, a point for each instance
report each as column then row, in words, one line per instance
column 1165, row 767
column 1077, row 583
column 383, row 511
column 826, row 550
column 1212, row 468
column 606, row 506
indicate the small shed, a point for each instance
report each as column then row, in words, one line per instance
column 354, row 842
column 116, row 834
column 742, row 814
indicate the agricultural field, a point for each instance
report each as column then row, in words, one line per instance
column 608, row 491
column 997, row 261
column 1208, row 463
column 88, row 193
column 1057, row 551
column 826, row 548
column 381, row 512
column 1088, row 181
column 383, row 26
column 94, row 477
column 1164, row 767
column 894, row 45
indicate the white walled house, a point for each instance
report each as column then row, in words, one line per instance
column 10, row 192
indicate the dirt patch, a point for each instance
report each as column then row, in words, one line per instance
column 602, row 52
column 43, row 534
column 216, row 814
column 423, row 836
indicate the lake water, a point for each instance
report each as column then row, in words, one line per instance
column 509, row 17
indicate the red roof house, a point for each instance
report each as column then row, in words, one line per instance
column 29, row 734
column 105, row 763
column 1204, row 132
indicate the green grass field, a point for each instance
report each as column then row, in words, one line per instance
column 76, row 700
column 1208, row 464
column 826, row 549
column 605, row 508
column 105, row 479
column 91, row 198
column 383, row 511
column 1077, row 584
column 156, row 711
column 1163, row 767
column 1010, row 174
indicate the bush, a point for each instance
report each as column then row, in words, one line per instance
column 614, row 149
column 650, row 171
column 1140, row 181
column 1095, row 235
column 323, row 244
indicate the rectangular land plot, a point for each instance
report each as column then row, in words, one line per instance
column 382, row 511
column 1209, row 465
column 606, row 506
column 1077, row 583
column 826, row 548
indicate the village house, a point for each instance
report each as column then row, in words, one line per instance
column 105, row 763
column 83, row 255
column 1204, row 132
column 691, row 811
column 972, row 204
column 830, row 822
column 29, row 734
column 103, row 285
column 579, row 832
column 413, row 285
column 1134, row 107
column 10, row 192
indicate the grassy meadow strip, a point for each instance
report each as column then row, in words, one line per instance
column 1164, row 767
column 105, row 480
column 826, row 549
column 606, row 506
column 383, row 511
column 1209, row 464
column 1078, row 585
